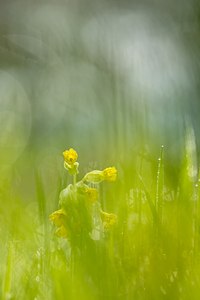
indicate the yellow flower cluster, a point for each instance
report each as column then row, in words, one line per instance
column 77, row 199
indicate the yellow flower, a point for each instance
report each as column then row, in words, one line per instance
column 92, row 194
column 110, row 174
column 70, row 156
column 95, row 176
column 84, row 190
column 108, row 219
column 62, row 232
column 58, row 217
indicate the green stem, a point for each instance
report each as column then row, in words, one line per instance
column 74, row 180
column 8, row 273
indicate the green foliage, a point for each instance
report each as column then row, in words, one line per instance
column 151, row 253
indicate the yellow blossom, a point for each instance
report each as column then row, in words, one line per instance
column 108, row 219
column 70, row 156
column 92, row 194
column 110, row 174
column 96, row 176
column 62, row 232
column 58, row 217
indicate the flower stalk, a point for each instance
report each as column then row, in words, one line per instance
column 75, row 217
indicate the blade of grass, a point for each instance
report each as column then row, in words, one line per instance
column 7, row 281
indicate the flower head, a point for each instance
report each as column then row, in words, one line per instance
column 110, row 174
column 92, row 194
column 58, row 217
column 70, row 156
column 70, row 161
column 108, row 219
column 96, row 176
column 62, row 232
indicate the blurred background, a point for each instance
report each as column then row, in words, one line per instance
column 113, row 79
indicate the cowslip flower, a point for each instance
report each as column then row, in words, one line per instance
column 58, row 217
column 96, row 176
column 110, row 174
column 70, row 161
column 92, row 194
column 108, row 219
column 70, row 156
column 62, row 232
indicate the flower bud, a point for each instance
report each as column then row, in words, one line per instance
column 62, row 232
column 92, row 194
column 84, row 190
column 108, row 219
column 110, row 174
column 58, row 217
column 70, row 156
column 95, row 176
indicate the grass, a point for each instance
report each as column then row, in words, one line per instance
column 151, row 253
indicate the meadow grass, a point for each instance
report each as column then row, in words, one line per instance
column 152, row 252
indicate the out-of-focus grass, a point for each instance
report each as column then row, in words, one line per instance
column 152, row 253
